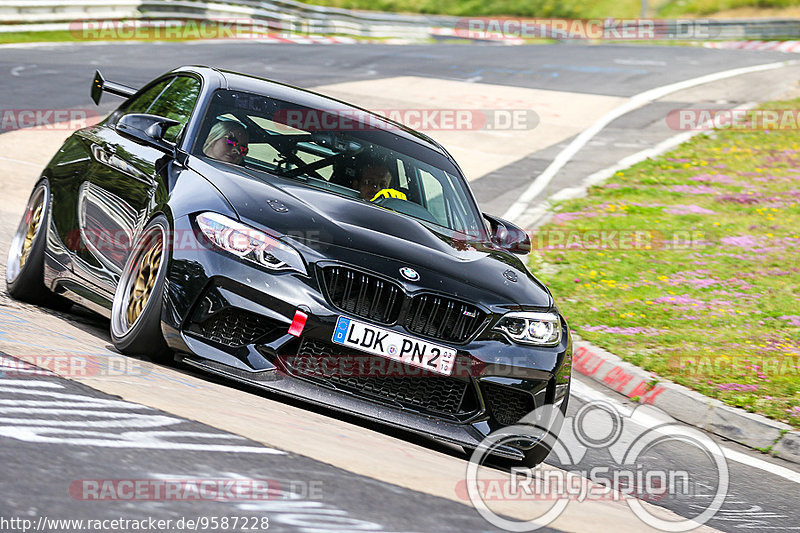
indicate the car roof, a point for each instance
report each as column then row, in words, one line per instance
column 244, row 82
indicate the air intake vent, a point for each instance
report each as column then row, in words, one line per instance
column 507, row 404
column 363, row 295
column 442, row 318
column 236, row 327
column 437, row 395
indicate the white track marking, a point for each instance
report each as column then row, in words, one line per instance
column 20, row 161
column 635, row 102
column 19, row 68
column 536, row 214
column 28, row 383
column 755, row 462
column 587, row 394
column 93, row 417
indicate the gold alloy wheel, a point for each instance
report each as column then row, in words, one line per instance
column 33, row 227
column 146, row 275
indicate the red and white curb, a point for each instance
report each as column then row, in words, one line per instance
column 458, row 34
column 774, row 46
column 278, row 38
column 684, row 404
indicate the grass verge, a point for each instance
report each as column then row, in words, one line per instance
column 520, row 8
column 688, row 265
column 575, row 8
column 161, row 34
column 36, row 36
column 709, row 7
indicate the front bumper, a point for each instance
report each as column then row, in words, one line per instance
column 232, row 319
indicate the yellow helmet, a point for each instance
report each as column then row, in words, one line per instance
column 389, row 193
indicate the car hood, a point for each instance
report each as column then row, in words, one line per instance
column 334, row 227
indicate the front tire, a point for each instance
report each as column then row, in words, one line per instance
column 539, row 453
column 138, row 300
column 25, row 264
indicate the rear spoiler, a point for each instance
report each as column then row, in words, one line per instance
column 100, row 85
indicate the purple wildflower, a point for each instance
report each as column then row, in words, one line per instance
column 624, row 330
column 683, row 299
column 737, row 387
column 740, row 241
column 693, row 189
column 689, row 210
column 793, row 320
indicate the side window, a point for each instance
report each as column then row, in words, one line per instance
column 176, row 102
column 401, row 174
column 143, row 102
column 434, row 196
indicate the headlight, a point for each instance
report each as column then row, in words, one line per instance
column 249, row 243
column 541, row 329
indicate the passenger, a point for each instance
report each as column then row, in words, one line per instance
column 374, row 183
column 227, row 141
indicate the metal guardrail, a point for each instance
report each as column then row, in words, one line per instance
column 291, row 16
column 278, row 15
column 727, row 29
column 49, row 11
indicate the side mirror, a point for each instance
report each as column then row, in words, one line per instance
column 148, row 130
column 508, row 236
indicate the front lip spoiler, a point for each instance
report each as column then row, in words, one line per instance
column 458, row 434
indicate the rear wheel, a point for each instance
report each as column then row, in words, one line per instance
column 25, row 265
column 138, row 300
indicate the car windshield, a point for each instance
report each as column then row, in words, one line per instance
column 341, row 151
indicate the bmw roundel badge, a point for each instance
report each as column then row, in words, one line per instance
column 409, row 273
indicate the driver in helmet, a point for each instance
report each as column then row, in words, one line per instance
column 374, row 183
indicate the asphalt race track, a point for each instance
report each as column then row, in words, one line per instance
column 127, row 419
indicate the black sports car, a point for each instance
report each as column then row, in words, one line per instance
column 294, row 242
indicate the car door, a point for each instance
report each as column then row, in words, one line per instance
column 118, row 195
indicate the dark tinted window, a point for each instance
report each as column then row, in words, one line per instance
column 142, row 102
column 176, row 102
column 347, row 152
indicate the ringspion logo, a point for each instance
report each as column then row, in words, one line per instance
column 631, row 473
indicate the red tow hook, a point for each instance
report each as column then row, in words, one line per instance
column 298, row 323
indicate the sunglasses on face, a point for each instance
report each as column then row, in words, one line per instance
column 233, row 141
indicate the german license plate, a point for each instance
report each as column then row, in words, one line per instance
column 393, row 345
